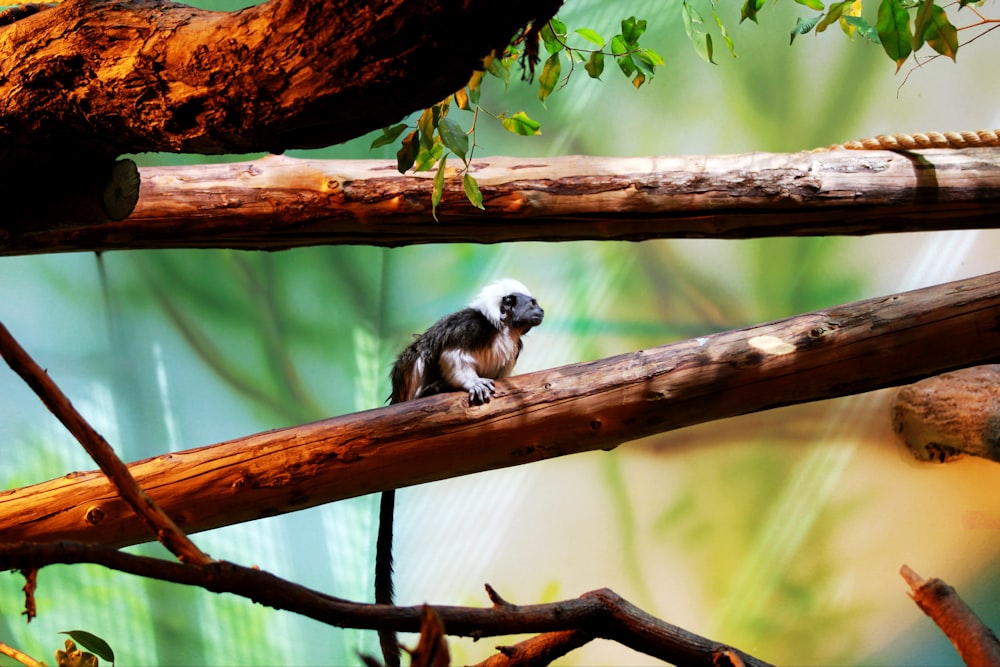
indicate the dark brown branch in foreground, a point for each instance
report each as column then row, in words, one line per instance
column 161, row 525
column 838, row 351
column 107, row 77
column 601, row 613
column 974, row 640
column 279, row 202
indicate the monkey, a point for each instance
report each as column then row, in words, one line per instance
column 464, row 351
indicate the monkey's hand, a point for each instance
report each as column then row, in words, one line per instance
column 480, row 391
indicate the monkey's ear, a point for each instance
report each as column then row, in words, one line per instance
column 507, row 306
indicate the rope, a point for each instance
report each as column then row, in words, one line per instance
column 976, row 139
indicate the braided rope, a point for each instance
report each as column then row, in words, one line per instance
column 976, row 139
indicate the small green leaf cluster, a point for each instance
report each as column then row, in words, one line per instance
column 636, row 62
column 436, row 132
column 902, row 27
column 437, row 135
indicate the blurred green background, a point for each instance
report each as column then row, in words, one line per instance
column 781, row 533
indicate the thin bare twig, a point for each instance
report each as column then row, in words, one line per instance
column 539, row 650
column 20, row 656
column 601, row 613
column 159, row 522
column 976, row 643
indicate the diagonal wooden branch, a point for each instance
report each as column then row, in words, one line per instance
column 974, row 640
column 161, row 525
column 280, row 202
column 588, row 406
column 601, row 613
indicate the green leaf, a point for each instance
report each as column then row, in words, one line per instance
column 521, row 124
column 93, row 643
column 803, row 26
column 453, row 137
column 591, row 36
column 750, row 8
column 428, row 157
column 632, row 30
column 724, row 33
column 853, row 9
column 920, row 23
column 700, row 39
column 426, row 125
column 389, row 135
column 475, row 87
column 500, row 69
column 551, row 37
column 940, row 34
column 654, row 57
column 407, row 152
column 472, row 192
column 438, row 189
column 620, row 51
column 549, row 77
column 833, row 13
column 559, row 28
column 863, row 27
column 894, row 30
column 647, row 64
column 595, row 65
column 812, row 4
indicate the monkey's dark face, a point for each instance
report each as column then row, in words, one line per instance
column 521, row 311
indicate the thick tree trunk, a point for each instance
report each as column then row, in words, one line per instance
column 106, row 77
column 280, row 202
column 582, row 407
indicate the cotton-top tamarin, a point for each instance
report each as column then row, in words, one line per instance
column 464, row 351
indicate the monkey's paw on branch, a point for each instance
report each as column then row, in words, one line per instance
column 481, row 391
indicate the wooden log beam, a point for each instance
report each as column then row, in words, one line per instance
column 589, row 406
column 280, row 202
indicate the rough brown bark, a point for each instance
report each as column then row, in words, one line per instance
column 280, row 202
column 106, row 77
column 951, row 415
column 581, row 407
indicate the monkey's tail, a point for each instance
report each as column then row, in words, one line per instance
column 383, row 575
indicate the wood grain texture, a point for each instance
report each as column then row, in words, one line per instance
column 580, row 407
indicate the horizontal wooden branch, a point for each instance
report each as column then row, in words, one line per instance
column 279, row 202
column 588, row 406
column 602, row 613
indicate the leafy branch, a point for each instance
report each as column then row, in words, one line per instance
column 437, row 135
column 901, row 27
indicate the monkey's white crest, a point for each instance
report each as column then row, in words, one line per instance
column 488, row 300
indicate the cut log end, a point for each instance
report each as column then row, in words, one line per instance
column 121, row 191
column 952, row 415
